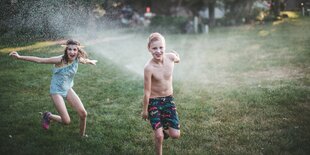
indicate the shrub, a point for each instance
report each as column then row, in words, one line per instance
column 168, row 23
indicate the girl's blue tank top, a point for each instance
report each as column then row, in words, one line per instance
column 62, row 79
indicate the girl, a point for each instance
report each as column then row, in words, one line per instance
column 65, row 67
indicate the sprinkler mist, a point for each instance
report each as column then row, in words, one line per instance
column 199, row 62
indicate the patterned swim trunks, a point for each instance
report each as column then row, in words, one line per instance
column 162, row 113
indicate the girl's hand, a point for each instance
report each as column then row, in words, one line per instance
column 93, row 62
column 88, row 61
column 14, row 54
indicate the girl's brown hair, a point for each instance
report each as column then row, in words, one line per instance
column 81, row 52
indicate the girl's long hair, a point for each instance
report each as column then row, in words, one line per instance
column 81, row 52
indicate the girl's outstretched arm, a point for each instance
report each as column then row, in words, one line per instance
column 51, row 60
column 88, row 61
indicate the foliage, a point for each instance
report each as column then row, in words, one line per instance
column 168, row 23
column 55, row 19
column 44, row 17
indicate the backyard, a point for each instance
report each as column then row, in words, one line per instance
column 238, row 90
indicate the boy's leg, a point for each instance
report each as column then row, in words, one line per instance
column 77, row 105
column 173, row 133
column 159, row 138
column 61, row 109
column 171, row 120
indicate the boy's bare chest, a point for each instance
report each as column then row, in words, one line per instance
column 162, row 72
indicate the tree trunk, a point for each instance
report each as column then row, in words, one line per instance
column 211, row 7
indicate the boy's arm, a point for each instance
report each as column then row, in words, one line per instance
column 51, row 60
column 87, row 61
column 176, row 56
column 147, row 92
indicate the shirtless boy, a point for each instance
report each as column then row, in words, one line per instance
column 158, row 103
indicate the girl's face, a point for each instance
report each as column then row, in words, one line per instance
column 72, row 51
column 157, row 49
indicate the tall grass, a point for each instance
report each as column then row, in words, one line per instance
column 240, row 90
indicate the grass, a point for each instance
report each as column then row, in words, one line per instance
column 239, row 90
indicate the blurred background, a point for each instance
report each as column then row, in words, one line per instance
column 242, row 87
column 55, row 19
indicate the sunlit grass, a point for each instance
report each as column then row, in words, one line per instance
column 237, row 92
column 34, row 46
column 290, row 14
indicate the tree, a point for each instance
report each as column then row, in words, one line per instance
column 239, row 9
column 275, row 8
column 211, row 7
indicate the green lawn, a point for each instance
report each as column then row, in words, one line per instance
column 239, row 90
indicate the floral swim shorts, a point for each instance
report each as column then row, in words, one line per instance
column 162, row 113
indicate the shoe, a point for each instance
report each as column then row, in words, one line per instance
column 166, row 136
column 46, row 120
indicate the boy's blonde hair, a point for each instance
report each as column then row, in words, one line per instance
column 155, row 37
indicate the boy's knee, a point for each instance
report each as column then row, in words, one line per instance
column 159, row 137
column 175, row 135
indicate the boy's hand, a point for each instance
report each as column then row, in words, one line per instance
column 144, row 115
column 174, row 52
column 176, row 59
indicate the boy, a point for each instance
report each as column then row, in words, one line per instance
column 158, row 102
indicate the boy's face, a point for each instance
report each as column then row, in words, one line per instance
column 72, row 51
column 157, row 49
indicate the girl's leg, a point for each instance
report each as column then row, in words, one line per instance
column 61, row 108
column 77, row 105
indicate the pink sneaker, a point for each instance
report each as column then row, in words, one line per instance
column 46, row 120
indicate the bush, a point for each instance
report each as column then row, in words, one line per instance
column 168, row 23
